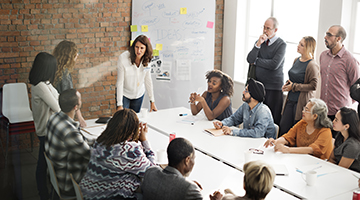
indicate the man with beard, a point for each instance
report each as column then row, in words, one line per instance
column 339, row 70
column 255, row 116
column 268, row 55
column 170, row 183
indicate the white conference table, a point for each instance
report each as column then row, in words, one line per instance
column 212, row 174
column 230, row 149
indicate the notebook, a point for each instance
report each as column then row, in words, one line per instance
column 103, row 120
column 215, row 132
column 280, row 170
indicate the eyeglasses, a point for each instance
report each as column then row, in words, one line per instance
column 267, row 28
column 327, row 34
column 305, row 110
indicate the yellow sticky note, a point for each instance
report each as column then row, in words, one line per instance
column 133, row 28
column 144, row 28
column 155, row 52
column 183, row 11
column 158, row 47
column 131, row 42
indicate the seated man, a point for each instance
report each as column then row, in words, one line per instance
column 66, row 147
column 255, row 116
column 170, row 183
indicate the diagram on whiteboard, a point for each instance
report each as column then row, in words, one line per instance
column 182, row 37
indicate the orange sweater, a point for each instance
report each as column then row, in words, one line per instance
column 320, row 140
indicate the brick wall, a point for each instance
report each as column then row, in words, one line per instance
column 100, row 28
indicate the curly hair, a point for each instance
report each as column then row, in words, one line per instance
column 123, row 126
column 148, row 51
column 65, row 53
column 227, row 84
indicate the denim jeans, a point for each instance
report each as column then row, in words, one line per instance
column 41, row 171
column 134, row 104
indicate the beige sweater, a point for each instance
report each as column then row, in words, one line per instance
column 44, row 102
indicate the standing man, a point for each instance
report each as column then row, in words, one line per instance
column 339, row 70
column 65, row 146
column 268, row 55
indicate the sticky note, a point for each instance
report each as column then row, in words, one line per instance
column 210, row 24
column 155, row 52
column 133, row 28
column 183, row 11
column 158, row 47
column 131, row 42
column 144, row 28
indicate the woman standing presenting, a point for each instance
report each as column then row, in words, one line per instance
column 134, row 76
column 44, row 101
column 301, row 86
column 66, row 54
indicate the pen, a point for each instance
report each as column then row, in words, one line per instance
column 182, row 114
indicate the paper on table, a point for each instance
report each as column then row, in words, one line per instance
column 215, row 132
column 280, row 169
column 321, row 169
column 93, row 132
column 190, row 119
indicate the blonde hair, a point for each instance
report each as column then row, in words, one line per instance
column 65, row 53
column 310, row 45
column 258, row 179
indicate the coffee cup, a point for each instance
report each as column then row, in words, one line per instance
column 310, row 177
column 161, row 156
column 144, row 112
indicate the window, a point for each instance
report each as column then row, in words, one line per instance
column 356, row 47
column 302, row 20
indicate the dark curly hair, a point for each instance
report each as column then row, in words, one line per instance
column 148, row 52
column 122, row 127
column 227, row 84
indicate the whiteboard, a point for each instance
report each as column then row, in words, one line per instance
column 186, row 30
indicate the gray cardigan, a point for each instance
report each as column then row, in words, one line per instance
column 307, row 89
column 269, row 63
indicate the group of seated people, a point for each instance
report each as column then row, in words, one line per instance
column 120, row 163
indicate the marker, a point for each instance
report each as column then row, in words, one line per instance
column 182, row 114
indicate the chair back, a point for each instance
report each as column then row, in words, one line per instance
column 52, row 173
column 78, row 192
column 276, row 131
column 15, row 103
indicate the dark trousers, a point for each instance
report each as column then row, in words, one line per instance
column 288, row 118
column 134, row 104
column 334, row 133
column 274, row 100
column 41, row 171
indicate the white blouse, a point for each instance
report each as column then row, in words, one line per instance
column 132, row 80
column 44, row 102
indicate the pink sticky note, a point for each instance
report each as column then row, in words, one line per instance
column 210, row 24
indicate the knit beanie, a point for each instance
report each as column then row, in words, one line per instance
column 256, row 90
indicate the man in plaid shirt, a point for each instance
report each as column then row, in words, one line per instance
column 66, row 147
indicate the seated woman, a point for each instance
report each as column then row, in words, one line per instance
column 347, row 143
column 258, row 181
column 311, row 135
column 118, row 161
column 216, row 100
